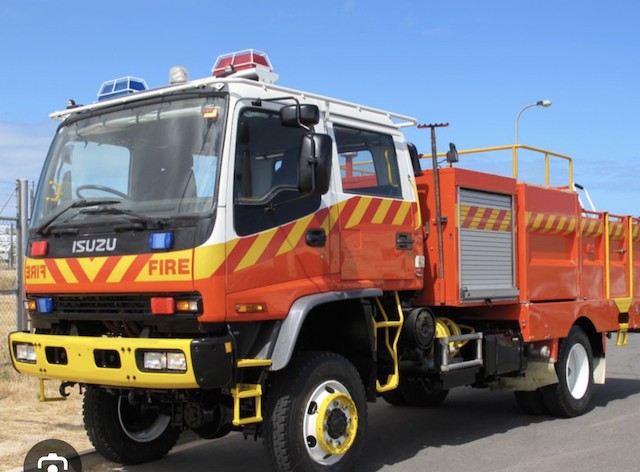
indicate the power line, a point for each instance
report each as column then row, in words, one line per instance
column 8, row 200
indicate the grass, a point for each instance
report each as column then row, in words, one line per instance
column 24, row 420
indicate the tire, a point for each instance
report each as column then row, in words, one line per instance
column 316, row 415
column 125, row 433
column 394, row 397
column 531, row 402
column 572, row 395
column 419, row 392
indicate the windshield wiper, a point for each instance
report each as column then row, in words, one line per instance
column 45, row 227
column 139, row 218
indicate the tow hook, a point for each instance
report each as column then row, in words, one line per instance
column 63, row 388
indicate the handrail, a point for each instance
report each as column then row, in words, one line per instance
column 514, row 159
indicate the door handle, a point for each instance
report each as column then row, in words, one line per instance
column 404, row 241
column 316, row 237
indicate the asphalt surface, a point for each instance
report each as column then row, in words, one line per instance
column 477, row 430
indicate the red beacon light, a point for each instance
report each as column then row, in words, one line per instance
column 249, row 64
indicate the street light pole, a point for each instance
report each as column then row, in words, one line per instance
column 539, row 103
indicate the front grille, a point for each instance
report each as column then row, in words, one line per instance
column 102, row 305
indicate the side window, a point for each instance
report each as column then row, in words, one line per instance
column 368, row 162
column 266, row 154
column 266, row 158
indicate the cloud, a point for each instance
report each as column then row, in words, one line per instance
column 23, row 148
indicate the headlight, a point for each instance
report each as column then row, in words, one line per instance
column 164, row 361
column 25, row 352
column 155, row 360
column 176, row 361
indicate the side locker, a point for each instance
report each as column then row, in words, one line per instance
column 634, row 312
column 487, row 255
column 592, row 226
column 479, row 238
column 618, row 244
column 548, row 237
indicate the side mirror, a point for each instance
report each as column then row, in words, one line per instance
column 296, row 116
column 415, row 159
column 315, row 163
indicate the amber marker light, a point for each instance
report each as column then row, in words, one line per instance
column 190, row 306
column 251, row 308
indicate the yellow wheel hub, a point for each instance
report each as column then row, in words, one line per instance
column 337, row 423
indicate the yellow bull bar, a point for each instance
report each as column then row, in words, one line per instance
column 82, row 366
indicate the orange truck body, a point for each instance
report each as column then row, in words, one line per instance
column 568, row 263
column 492, row 281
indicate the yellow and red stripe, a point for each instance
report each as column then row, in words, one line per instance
column 591, row 228
column 206, row 261
column 485, row 218
column 561, row 225
column 617, row 230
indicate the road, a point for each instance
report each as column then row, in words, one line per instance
column 475, row 430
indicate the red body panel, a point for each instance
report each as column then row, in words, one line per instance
column 563, row 269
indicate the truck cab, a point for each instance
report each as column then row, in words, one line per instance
column 188, row 243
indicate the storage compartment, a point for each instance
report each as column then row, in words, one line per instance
column 487, row 256
column 478, row 238
column 503, row 354
column 548, row 241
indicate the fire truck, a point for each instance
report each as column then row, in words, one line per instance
column 227, row 254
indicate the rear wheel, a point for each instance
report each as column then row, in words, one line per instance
column 316, row 415
column 126, row 433
column 571, row 396
column 394, row 397
column 531, row 402
column 415, row 391
column 420, row 392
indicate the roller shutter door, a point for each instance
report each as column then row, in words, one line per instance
column 487, row 259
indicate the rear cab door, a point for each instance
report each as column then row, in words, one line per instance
column 378, row 213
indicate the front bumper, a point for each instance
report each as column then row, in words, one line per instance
column 116, row 361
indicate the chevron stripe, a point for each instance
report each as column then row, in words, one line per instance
column 485, row 219
column 591, row 228
column 236, row 255
column 617, row 230
column 561, row 225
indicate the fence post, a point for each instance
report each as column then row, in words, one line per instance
column 12, row 248
column 23, row 220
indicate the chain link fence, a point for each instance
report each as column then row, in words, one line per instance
column 8, row 281
column 10, row 262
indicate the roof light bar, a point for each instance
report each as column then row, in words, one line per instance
column 119, row 87
column 249, row 63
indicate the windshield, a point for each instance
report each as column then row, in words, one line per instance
column 153, row 161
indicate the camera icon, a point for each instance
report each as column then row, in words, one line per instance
column 53, row 460
column 52, row 455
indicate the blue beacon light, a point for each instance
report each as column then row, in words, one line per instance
column 122, row 86
column 159, row 241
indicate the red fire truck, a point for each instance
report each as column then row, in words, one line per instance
column 226, row 254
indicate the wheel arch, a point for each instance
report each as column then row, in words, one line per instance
column 337, row 322
column 595, row 338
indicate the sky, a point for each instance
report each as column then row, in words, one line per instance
column 473, row 64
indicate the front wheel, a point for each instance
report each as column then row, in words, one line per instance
column 572, row 395
column 316, row 415
column 126, row 433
